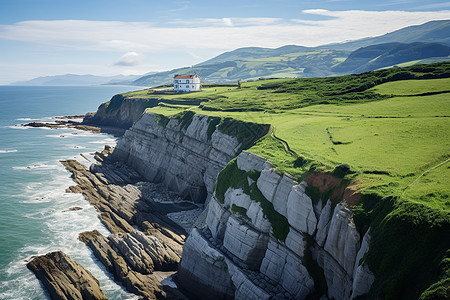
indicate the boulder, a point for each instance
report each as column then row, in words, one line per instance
column 64, row 278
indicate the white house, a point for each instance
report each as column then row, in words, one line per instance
column 187, row 83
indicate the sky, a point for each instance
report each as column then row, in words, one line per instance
column 110, row 37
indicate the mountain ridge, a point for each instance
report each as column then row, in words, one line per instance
column 76, row 79
column 251, row 63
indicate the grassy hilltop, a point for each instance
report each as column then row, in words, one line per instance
column 391, row 127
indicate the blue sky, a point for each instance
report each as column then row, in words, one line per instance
column 50, row 37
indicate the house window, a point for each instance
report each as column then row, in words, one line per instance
column 187, row 86
column 176, row 86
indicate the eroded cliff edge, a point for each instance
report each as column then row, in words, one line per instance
column 264, row 238
column 185, row 152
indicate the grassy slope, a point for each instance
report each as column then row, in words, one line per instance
column 394, row 135
column 302, row 62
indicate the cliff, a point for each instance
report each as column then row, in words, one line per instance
column 186, row 152
column 118, row 112
column 264, row 238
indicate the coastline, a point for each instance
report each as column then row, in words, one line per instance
column 75, row 122
column 140, row 220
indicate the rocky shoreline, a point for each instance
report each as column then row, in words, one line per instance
column 75, row 122
column 143, row 242
column 260, row 236
column 64, row 278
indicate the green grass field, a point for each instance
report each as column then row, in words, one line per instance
column 389, row 142
column 390, row 126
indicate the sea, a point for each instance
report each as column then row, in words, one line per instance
column 35, row 215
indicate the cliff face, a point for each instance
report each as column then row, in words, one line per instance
column 185, row 153
column 243, row 251
column 262, row 237
column 119, row 112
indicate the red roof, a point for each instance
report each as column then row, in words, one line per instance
column 185, row 76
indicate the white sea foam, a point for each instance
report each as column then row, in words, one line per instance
column 8, row 151
column 18, row 126
column 40, row 166
column 27, row 119
column 60, row 229
column 108, row 141
column 73, row 146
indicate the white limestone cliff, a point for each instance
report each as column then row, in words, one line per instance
column 275, row 268
column 185, row 158
column 234, row 252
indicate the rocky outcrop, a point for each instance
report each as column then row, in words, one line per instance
column 74, row 122
column 185, row 153
column 120, row 112
column 144, row 239
column 242, row 246
column 128, row 260
column 64, row 278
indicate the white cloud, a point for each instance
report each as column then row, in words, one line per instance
column 226, row 33
column 227, row 21
column 224, row 22
column 130, row 59
column 181, row 43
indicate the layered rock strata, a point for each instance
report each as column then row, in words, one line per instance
column 185, row 154
column 64, row 278
column 143, row 239
column 255, row 257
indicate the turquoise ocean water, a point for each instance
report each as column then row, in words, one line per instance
column 34, row 216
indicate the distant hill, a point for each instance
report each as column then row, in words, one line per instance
column 384, row 55
column 430, row 32
column 256, row 53
column 252, row 63
column 81, row 80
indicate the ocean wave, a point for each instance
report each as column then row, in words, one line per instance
column 109, row 141
column 27, row 119
column 40, row 166
column 59, row 230
column 18, row 126
column 9, row 151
